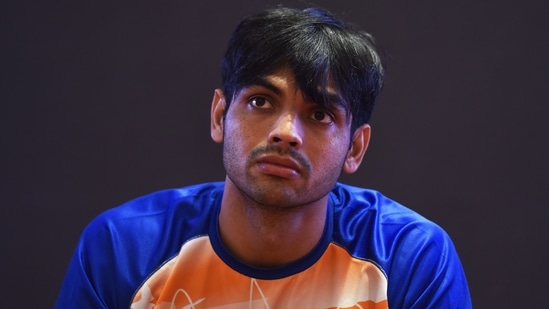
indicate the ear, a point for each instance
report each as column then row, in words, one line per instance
column 359, row 144
column 218, row 110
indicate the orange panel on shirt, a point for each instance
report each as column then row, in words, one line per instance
column 198, row 278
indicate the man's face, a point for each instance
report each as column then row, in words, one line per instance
column 279, row 149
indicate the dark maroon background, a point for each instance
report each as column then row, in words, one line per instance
column 103, row 101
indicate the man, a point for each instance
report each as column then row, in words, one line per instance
column 280, row 232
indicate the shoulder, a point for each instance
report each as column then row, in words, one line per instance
column 376, row 227
column 415, row 253
column 156, row 214
column 382, row 219
column 194, row 198
column 129, row 241
column 377, row 210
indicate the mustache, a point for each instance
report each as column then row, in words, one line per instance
column 274, row 149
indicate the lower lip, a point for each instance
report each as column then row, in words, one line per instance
column 277, row 170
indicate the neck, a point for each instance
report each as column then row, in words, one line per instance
column 266, row 237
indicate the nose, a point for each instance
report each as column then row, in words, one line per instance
column 287, row 132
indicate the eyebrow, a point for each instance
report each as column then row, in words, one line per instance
column 332, row 99
column 263, row 82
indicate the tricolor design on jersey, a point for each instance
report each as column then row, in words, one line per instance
column 198, row 278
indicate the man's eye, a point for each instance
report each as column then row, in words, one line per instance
column 322, row 117
column 260, row 102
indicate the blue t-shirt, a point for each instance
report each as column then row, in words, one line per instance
column 163, row 250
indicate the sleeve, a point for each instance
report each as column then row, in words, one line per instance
column 98, row 275
column 79, row 289
column 426, row 271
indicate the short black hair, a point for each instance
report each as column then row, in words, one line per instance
column 322, row 51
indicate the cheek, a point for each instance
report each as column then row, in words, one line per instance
column 238, row 135
column 329, row 152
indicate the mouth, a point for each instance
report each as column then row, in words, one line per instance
column 274, row 165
